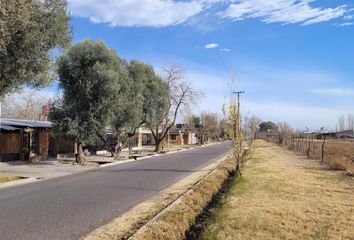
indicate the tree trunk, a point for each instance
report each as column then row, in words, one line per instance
column 80, row 156
column 323, row 149
column 130, row 145
column 117, row 149
column 157, row 145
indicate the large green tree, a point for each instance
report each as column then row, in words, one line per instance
column 89, row 75
column 29, row 30
column 156, row 106
column 268, row 127
column 128, row 108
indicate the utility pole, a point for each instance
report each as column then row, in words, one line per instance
column 235, row 116
column 238, row 93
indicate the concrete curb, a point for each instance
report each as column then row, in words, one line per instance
column 147, row 157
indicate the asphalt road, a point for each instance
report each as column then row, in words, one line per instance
column 71, row 206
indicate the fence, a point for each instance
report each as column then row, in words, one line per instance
column 337, row 153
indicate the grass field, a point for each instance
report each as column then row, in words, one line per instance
column 285, row 196
column 4, row 179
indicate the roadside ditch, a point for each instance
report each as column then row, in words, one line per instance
column 179, row 212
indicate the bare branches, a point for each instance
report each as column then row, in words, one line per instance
column 181, row 95
column 25, row 105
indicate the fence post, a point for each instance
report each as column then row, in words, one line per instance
column 322, row 150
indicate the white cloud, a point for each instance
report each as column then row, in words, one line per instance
column 162, row 13
column 152, row 13
column 211, row 45
column 340, row 92
column 282, row 11
column 225, row 50
column 347, row 24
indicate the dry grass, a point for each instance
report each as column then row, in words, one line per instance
column 4, row 179
column 339, row 154
column 285, row 196
column 173, row 223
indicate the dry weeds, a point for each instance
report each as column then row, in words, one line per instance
column 4, row 179
column 285, row 196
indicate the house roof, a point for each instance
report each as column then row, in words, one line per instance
column 178, row 130
column 8, row 128
column 5, row 122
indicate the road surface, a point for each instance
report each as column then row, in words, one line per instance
column 72, row 206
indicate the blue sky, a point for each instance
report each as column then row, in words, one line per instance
column 294, row 58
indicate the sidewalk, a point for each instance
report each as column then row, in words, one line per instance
column 40, row 170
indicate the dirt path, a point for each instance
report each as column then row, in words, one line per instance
column 285, row 196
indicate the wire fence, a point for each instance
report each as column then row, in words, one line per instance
column 337, row 153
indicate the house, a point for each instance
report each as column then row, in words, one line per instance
column 335, row 134
column 178, row 135
column 24, row 139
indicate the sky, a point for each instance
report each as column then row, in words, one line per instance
column 293, row 58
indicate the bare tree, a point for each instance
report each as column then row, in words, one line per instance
column 350, row 123
column 209, row 129
column 341, row 123
column 180, row 95
column 251, row 127
column 26, row 104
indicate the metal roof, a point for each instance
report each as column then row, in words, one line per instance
column 8, row 128
column 25, row 123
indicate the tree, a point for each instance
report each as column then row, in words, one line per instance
column 268, row 126
column 350, row 121
column 341, row 123
column 128, row 109
column 285, row 131
column 176, row 93
column 194, row 124
column 209, row 129
column 29, row 30
column 251, row 127
column 222, row 129
column 232, row 115
column 24, row 105
column 89, row 75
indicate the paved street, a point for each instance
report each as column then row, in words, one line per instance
column 69, row 207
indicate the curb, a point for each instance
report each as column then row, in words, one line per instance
column 146, row 157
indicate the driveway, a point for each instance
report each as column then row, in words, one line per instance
column 40, row 170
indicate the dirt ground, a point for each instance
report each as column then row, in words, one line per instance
column 285, row 196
